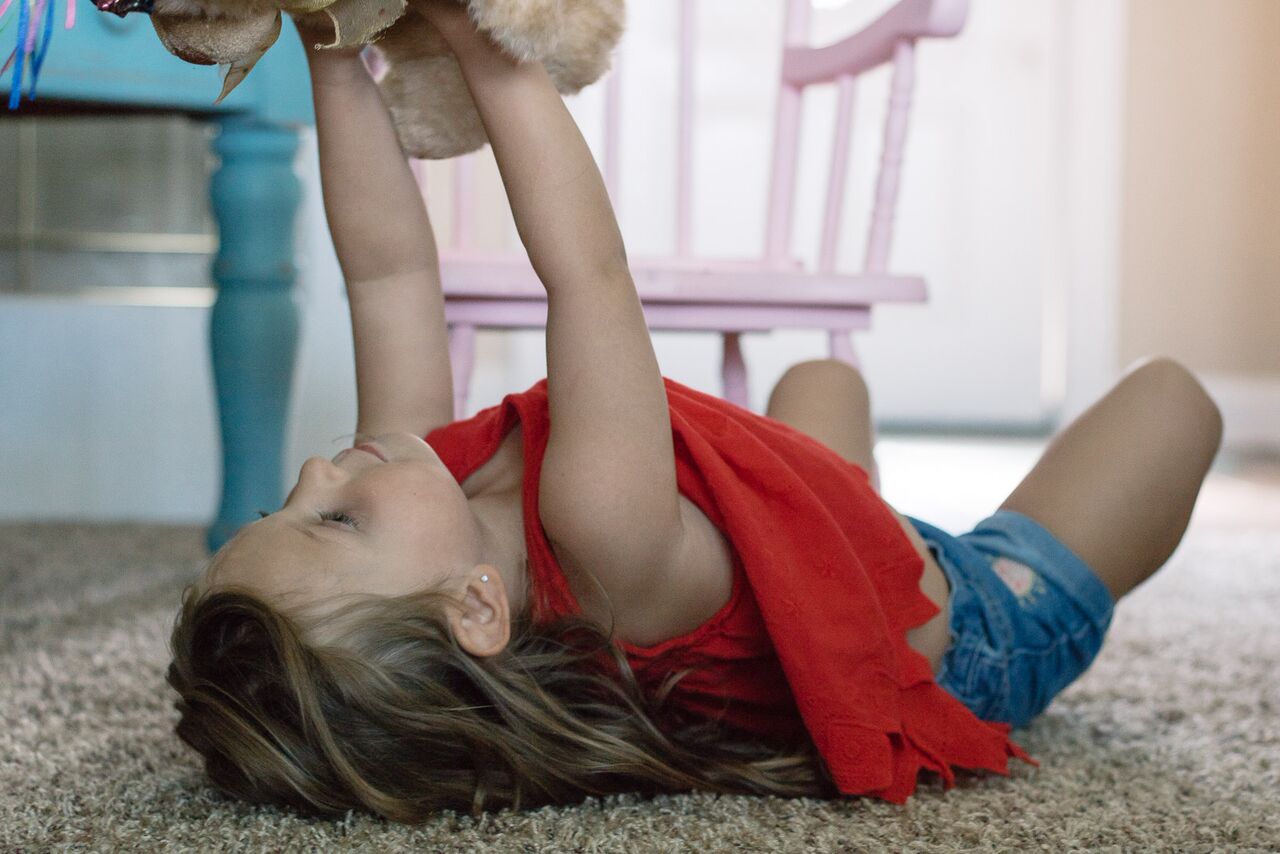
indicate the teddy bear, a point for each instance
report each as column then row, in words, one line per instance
column 422, row 84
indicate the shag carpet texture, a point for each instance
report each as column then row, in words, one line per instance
column 1170, row 742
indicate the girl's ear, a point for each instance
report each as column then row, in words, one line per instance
column 482, row 621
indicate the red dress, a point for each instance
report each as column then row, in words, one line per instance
column 825, row 587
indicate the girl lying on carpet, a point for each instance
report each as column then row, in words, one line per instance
column 611, row 582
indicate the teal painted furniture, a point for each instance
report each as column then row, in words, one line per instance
column 112, row 62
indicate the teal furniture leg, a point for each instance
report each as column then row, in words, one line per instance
column 253, row 328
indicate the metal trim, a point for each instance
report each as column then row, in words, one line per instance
column 138, row 242
column 29, row 237
column 159, row 296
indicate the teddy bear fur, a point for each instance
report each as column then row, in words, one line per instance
column 422, row 85
column 430, row 105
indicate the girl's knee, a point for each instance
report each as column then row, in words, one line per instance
column 1181, row 397
column 824, row 373
column 1171, row 377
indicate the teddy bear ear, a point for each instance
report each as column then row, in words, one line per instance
column 423, row 88
column 573, row 40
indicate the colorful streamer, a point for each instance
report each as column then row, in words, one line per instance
column 15, row 91
column 35, row 17
column 45, row 38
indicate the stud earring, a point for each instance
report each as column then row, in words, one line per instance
column 484, row 578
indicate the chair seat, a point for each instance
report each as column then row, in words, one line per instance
column 706, row 294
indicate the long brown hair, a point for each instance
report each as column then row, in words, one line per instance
column 376, row 706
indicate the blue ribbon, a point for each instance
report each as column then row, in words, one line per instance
column 15, row 91
column 44, row 46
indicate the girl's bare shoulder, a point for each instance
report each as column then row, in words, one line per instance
column 697, row 582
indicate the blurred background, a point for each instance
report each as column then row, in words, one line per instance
column 1086, row 182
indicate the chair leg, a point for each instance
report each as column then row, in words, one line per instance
column 841, row 343
column 733, row 371
column 462, row 355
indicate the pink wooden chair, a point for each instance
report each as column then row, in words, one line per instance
column 774, row 291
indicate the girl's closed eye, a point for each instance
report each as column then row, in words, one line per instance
column 336, row 516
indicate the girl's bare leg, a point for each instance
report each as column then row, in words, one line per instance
column 828, row 400
column 1117, row 485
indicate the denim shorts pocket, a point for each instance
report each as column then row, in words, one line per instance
column 976, row 675
column 1044, row 670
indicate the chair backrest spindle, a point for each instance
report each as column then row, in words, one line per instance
column 836, row 178
column 786, row 140
column 895, row 136
column 463, row 193
column 795, row 31
column 684, row 131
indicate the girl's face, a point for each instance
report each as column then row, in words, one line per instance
column 358, row 524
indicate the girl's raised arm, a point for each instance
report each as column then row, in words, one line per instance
column 386, row 249
column 608, row 485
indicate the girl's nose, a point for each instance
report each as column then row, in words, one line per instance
column 315, row 474
column 319, row 468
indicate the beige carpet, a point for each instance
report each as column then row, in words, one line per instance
column 1171, row 742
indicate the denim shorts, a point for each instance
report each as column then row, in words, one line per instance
column 1027, row 615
